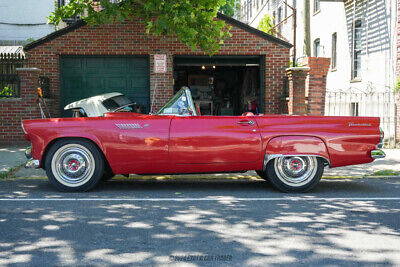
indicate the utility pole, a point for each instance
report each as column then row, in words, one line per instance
column 307, row 34
column 294, row 16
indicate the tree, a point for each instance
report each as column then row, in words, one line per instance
column 230, row 7
column 192, row 21
column 267, row 25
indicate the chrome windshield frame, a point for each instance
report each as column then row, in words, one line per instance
column 191, row 107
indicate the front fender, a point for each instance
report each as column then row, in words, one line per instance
column 296, row 145
column 40, row 145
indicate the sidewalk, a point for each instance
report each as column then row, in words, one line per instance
column 12, row 160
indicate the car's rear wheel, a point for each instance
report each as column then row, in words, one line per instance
column 74, row 165
column 295, row 173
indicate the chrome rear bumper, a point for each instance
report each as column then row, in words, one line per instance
column 377, row 154
column 31, row 163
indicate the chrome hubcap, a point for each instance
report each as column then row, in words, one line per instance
column 296, row 171
column 73, row 165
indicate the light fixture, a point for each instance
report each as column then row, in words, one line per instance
column 203, row 67
column 213, row 66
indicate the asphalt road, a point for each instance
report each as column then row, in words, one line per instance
column 232, row 223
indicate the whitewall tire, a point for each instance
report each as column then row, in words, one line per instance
column 295, row 173
column 74, row 165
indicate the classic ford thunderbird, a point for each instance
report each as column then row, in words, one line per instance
column 288, row 151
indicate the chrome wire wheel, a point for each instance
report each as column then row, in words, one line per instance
column 296, row 171
column 73, row 165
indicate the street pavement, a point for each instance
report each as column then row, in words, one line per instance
column 342, row 222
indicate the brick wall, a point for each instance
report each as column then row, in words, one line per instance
column 307, row 87
column 12, row 111
column 129, row 38
column 297, row 90
column 316, row 84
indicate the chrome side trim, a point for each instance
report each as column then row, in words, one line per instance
column 125, row 126
column 32, row 163
column 269, row 157
column 377, row 154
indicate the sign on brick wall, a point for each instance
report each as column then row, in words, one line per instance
column 160, row 63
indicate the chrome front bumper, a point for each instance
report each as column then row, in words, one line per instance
column 377, row 154
column 31, row 163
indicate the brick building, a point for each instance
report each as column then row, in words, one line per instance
column 81, row 61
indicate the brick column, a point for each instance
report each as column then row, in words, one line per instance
column 13, row 110
column 316, row 84
column 297, row 90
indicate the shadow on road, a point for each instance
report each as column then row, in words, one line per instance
column 255, row 233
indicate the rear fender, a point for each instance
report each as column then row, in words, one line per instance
column 296, row 146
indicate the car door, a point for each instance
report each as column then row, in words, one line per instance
column 138, row 144
column 214, row 140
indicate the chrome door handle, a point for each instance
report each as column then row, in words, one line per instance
column 246, row 122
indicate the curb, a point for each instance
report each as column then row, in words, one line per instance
column 200, row 179
column 11, row 171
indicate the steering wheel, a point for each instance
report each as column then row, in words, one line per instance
column 122, row 107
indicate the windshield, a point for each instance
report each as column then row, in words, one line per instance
column 181, row 104
column 116, row 102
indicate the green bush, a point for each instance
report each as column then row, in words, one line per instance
column 6, row 92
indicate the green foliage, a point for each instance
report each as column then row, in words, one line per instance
column 267, row 25
column 6, row 92
column 397, row 87
column 230, row 7
column 386, row 173
column 192, row 21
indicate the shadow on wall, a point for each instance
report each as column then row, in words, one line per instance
column 375, row 21
column 148, row 233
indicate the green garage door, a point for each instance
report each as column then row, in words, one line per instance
column 83, row 77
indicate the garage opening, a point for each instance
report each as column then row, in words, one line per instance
column 222, row 85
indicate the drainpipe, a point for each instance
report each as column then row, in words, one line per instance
column 307, row 34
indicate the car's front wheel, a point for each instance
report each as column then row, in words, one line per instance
column 74, row 165
column 295, row 173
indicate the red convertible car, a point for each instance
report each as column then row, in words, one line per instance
column 289, row 151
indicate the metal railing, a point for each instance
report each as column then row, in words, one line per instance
column 9, row 80
column 9, row 85
column 373, row 104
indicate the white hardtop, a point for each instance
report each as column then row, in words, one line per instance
column 93, row 105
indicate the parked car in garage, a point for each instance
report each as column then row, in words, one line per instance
column 289, row 151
